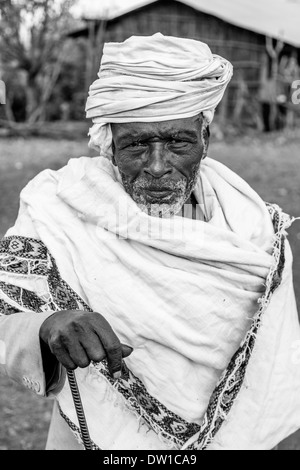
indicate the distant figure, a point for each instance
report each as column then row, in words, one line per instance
column 281, row 108
column 267, row 98
column 65, row 109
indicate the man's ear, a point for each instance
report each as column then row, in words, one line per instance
column 208, row 132
column 113, row 153
column 205, row 137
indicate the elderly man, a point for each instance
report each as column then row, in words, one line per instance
column 155, row 272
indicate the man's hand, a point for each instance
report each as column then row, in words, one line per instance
column 76, row 338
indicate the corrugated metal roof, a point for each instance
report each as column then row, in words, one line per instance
column 275, row 18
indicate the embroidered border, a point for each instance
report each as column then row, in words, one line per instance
column 7, row 309
column 75, row 429
column 164, row 422
column 16, row 265
column 23, row 297
column 64, row 297
column 24, row 247
column 24, row 256
column 27, row 256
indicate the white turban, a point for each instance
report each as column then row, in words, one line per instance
column 154, row 78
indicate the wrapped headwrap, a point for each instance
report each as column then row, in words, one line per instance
column 155, row 78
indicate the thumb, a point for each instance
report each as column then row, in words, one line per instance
column 126, row 350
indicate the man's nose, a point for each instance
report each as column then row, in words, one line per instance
column 157, row 165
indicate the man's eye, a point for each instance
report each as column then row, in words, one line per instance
column 178, row 143
column 136, row 144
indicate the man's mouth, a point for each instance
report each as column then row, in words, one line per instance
column 158, row 193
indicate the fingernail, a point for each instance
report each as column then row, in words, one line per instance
column 117, row 375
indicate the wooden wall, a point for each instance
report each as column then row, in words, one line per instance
column 243, row 48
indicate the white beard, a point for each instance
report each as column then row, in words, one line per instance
column 162, row 210
column 165, row 210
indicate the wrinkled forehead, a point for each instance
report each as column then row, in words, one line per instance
column 190, row 126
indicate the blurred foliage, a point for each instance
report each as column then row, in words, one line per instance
column 43, row 69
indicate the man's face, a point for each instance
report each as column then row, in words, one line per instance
column 159, row 162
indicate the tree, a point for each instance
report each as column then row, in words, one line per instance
column 33, row 43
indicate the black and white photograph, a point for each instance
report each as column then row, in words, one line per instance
column 149, row 227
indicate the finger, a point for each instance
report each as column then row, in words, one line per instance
column 93, row 347
column 63, row 356
column 114, row 360
column 126, row 350
column 113, row 351
column 68, row 363
column 111, row 345
column 78, row 355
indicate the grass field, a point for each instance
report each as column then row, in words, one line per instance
column 271, row 164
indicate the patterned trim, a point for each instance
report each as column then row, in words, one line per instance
column 24, row 256
column 164, row 422
column 64, row 297
column 26, row 299
column 28, row 248
column 29, row 256
column 16, row 265
column 6, row 309
column 75, row 429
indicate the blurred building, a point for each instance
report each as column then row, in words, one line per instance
column 254, row 36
